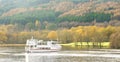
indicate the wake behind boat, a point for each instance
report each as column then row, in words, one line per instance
column 34, row 45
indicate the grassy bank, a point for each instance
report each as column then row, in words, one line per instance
column 84, row 44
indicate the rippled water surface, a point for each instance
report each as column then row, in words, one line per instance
column 17, row 54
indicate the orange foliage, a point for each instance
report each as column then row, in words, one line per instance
column 52, row 35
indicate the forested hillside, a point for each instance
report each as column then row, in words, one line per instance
column 60, row 13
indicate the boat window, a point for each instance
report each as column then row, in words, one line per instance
column 53, row 43
column 48, row 48
column 39, row 43
column 42, row 43
column 31, row 46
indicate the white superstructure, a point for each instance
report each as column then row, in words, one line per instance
column 34, row 45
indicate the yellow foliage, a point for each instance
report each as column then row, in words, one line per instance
column 101, row 29
column 52, row 35
column 79, row 31
column 75, row 34
column 3, row 36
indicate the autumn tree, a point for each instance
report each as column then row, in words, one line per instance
column 115, row 40
column 101, row 36
column 12, row 38
column 22, row 37
column 52, row 35
column 79, row 36
column 109, row 30
column 3, row 37
column 65, row 36
column 38, row 25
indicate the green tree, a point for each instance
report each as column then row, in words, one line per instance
column 29, row 26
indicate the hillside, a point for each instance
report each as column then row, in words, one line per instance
column 65, row 13
column 94, row 21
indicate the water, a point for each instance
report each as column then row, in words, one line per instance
column 15, row 54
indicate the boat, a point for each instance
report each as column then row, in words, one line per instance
column 34, row 45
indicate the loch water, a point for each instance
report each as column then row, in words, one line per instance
column 17, row 54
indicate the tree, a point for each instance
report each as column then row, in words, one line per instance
column 52, row 35
column 65, row 36
column 3, row 37
column 29, row 26
column 52, row 26
column 22, row 36
column 38, row 24
column 115, row 40
column 79, row 36
column 101, row 36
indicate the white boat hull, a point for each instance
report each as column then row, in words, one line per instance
column 41, row 51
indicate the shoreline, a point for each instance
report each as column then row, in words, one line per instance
column 12, row 45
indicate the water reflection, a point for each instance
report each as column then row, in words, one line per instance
column 11, row 57
column 73, row 56
column 63, row 56
column 18, row 55
column 41, row 57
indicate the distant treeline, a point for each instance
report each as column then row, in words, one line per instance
column 94, row 34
